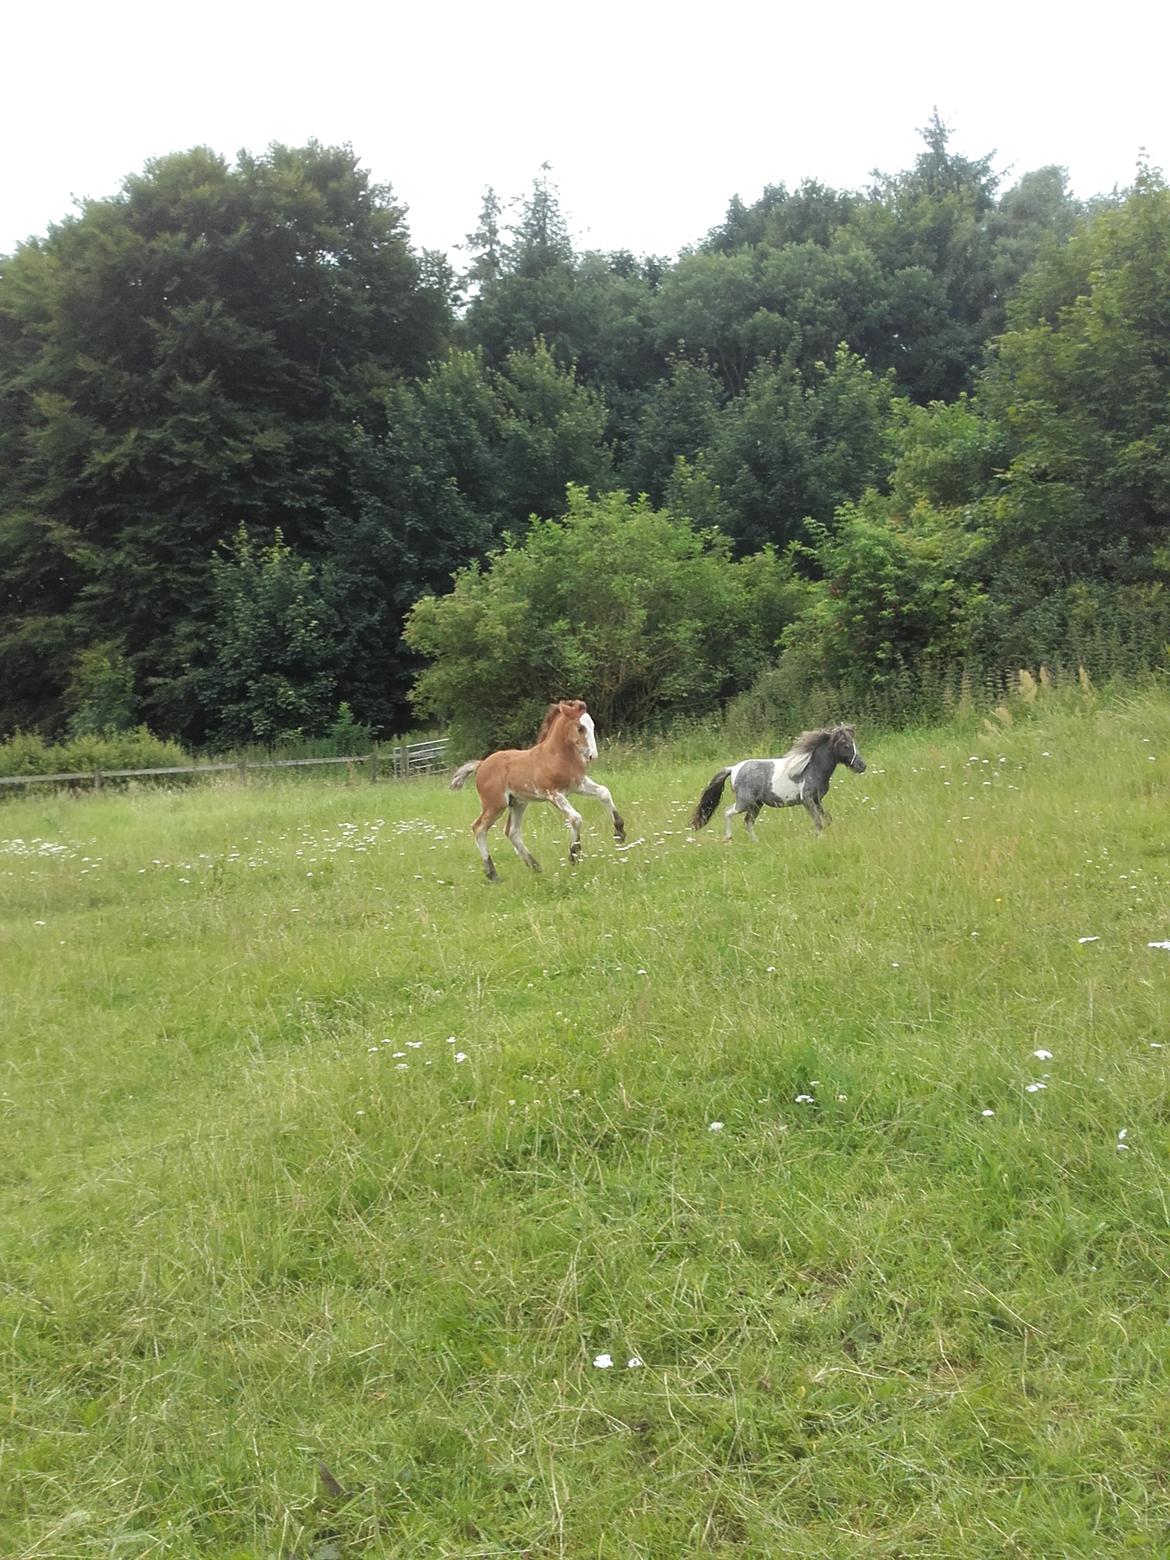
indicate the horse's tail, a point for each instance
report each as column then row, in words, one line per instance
column 463, row 771
column 710, row 799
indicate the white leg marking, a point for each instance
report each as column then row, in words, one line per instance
column 572, row 817
column 602, row 793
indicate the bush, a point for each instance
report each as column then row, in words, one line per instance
column 618, row 603
column 25, row 753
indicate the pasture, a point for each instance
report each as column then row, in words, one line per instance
column 805, row 1198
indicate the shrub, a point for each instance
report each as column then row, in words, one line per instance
column 25, row 753
column 618, row 603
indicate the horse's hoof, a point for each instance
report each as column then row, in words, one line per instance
column 536, row 866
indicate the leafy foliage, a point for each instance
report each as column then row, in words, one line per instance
column 1081, row 380
column 27, row 753
column 617, row 600
column 182, row 359
column 256, row 345
column 101, row 695
column 273, row 672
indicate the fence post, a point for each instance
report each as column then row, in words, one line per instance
column 97, row 779
column 374, row 764
column 243, row 767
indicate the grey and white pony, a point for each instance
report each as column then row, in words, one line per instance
column 800, row 778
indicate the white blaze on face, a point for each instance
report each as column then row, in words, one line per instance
column 590, row 736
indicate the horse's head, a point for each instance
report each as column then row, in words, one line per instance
column 579, row 727
column 845, row 749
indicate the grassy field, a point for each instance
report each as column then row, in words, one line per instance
column 331, row 1177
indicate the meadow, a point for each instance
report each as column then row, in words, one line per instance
column 805, row 1198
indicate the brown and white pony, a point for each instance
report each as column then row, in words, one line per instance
column 552, row 771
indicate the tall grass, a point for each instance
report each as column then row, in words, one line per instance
column 284, row 1275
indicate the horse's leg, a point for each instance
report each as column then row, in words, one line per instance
column 816, row 812
column 491, row 811
column 749, row 821
column 740, row 805
column 573, row 818
column 512, row 830
column 587, row 787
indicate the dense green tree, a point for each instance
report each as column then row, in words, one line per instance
column 256, row 344
column 541, row 237
column 1081, row 382
column 428, row 501
column 783, row 452
column 812, row 213
column 466, row 453
column 1036, row 215
column 705, row 309
column 100, row 696
column 553, row 432
column 273, row 669
column 894, row 594
column 485, row 244
column 678, row 417
column 183, row 358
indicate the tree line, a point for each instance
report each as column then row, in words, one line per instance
column 260, row 459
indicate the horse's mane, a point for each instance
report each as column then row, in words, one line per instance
column 550, row 715
column 546, row 724
column 807, row 743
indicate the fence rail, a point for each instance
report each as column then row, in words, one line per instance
column 404, row 762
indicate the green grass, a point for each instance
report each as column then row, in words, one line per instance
column 242, row 1242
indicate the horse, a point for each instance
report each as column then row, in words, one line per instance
column 802, row 775
column 551, row 771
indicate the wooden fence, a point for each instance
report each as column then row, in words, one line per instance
column 399, row 763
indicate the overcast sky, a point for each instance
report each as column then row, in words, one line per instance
column 652, row 115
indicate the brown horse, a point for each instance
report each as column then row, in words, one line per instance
column 552, row 771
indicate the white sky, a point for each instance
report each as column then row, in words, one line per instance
column 652, row 114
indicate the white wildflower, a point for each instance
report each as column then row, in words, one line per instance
column 603, row 1361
